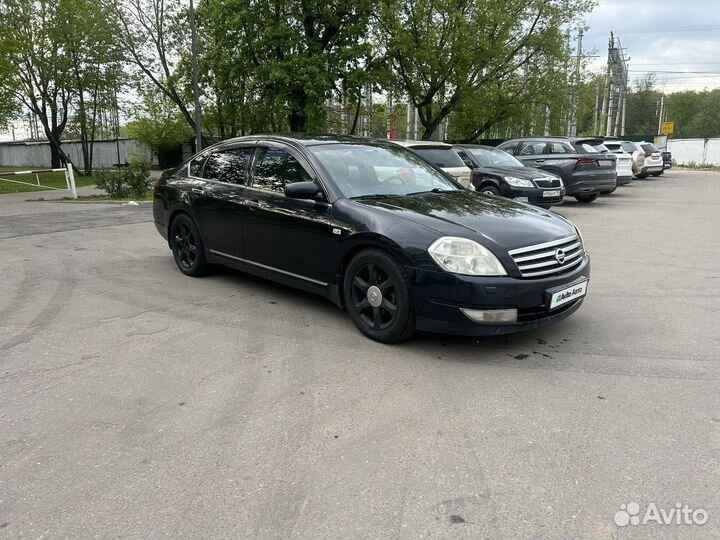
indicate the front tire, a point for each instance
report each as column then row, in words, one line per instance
column 586, row 198
column 490, row 190
column 187, row 246
column 378, row 297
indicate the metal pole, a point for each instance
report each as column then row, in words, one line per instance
column 660, row 119
column 117, row 126
column 196, row 88
column 71, row 178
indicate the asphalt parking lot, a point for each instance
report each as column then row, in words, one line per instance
column 136, row 402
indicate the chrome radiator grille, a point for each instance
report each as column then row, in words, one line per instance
column 549, row 258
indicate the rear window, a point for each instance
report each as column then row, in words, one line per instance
column 649, row 148
column 440, row 157
column 629, row 147
column 587, row 148
column 601, row 148
column 614, row 147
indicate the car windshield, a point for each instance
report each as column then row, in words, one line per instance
column 492, row 157
column 439, row 156
column 362, row 170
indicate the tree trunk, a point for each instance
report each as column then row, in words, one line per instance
column 356, row 116
column 298, row 112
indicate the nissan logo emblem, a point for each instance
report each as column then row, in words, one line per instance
column 560, row 256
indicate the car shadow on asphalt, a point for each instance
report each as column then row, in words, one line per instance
column 537, row 345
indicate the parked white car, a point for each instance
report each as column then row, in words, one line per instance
column 624, row 162
column 653, row 159
column 441, row 155
column 643, row 161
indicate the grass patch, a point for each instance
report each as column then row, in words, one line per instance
column 56, row 180
column 697, row 167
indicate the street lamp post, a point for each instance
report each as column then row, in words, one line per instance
column 196, row 88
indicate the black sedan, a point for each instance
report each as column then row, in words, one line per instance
column 498, row 173
column 377, row 230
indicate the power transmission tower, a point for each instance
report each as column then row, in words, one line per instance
column 574, row 83
column 615, row 95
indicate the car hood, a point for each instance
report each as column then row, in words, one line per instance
column 505, row 223
column 526, row 173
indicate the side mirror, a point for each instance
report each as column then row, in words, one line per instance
column 303, row 190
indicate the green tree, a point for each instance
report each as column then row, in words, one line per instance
column 37, row 65
column 643, row 107
column 695, row 114
column 154, row 36
column 87, row 36
column 290, row 55
column 445, row 52
column 157, row 121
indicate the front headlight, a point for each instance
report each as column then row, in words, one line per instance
column 463, row 256
column 518, row 182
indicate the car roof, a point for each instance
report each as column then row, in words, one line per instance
column 483, row 146
column 556, row 138
column 298, row 140
column 409, row 143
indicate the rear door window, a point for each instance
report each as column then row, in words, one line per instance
column 275, row 168
column 509, row 147
column 560, row 148
column 533, row 149
column 228, row 166
column 440, row 157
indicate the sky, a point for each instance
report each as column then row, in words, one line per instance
column 678, row 36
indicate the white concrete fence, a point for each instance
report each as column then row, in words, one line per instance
column 695, row 151
column 105, row 153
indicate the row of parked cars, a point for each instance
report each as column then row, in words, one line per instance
column 543, row 170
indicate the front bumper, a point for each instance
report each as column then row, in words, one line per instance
column 533, row 195
column 440, row 295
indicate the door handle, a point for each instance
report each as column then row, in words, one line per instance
column 253, row 203
column 198, row 190
column 539, row 160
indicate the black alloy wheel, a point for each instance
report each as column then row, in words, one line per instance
column 377, row 297
column 187, row 247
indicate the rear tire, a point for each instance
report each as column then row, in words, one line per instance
column 586, row 198
column 378, row 297
column 187, row 246
column 657, row 173
column 642, row 175
column 609, row 192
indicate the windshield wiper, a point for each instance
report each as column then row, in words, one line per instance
column 377, row 196
column 433, row 190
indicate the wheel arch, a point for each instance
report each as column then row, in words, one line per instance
column 361, row 243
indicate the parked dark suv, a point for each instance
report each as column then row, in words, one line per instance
column 495, row 172
column 585, row 172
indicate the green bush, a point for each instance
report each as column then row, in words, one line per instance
column 132, row 181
